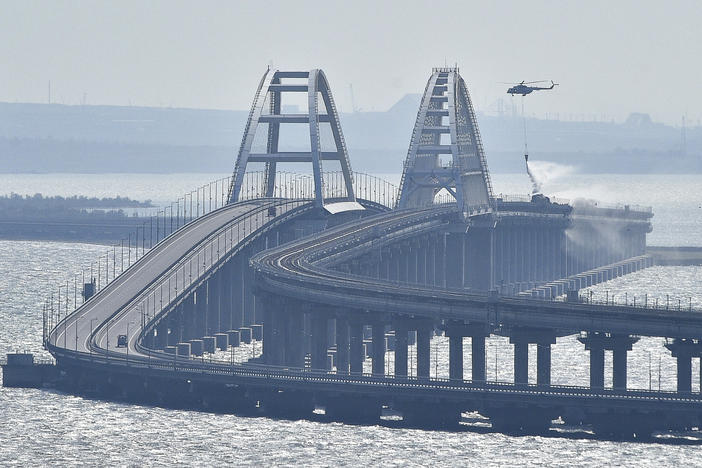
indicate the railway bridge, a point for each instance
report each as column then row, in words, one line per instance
column 330, row 270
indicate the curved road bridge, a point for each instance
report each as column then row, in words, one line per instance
column 331, row 279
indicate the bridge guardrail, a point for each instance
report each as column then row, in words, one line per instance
column 172, row 363
column 165, row 221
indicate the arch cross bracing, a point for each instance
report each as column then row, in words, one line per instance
column 266, row 117
column 446, row 125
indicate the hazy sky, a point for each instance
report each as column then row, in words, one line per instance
column 611, row 57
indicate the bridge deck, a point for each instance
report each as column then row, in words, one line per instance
column 156, row 280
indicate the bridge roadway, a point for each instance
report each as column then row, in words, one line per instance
column 148, row 287
column 302, row 270
column 305, row 270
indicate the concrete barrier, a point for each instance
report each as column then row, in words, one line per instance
column 196, row 347
column 233, row 336
column 257, row 332
column 208, row 344
column 183, row 349
column 245, row 334
column 221, row 341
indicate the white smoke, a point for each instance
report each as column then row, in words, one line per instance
column 546, row 172
column 535, row 185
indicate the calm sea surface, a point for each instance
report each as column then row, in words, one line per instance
column 45, row 427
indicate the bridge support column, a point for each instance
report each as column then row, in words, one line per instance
column 421, row 270
column 212, row 305
column 356, row 345
column 456, row 357
column 683, row 350
column 477, row 343
column 404, row 261
column 597, row 343
column 342, row 345
column 378, row 337
column 454, row 258
column 521, row 362
column 622, row 344
column 455, row 331
column 189, row 318
column 201, row 311
column 424, row 332
column 319, row 341
column 247, row 288
column 521, row 338
column 226, row 299
column 597, row 367
column 431, row 261
column 543, row 364
column 273, row 328
column 401, row 342
column 162, row 334
column 268, row 344
column 294, row 337
column 172, row 321
column 237, row 286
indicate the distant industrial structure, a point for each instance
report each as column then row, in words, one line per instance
column 140, row 139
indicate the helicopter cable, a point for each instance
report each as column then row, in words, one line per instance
column 526, row 149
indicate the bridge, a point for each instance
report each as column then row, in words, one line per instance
column 328, row 268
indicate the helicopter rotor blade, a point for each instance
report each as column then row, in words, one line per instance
column 538, row 81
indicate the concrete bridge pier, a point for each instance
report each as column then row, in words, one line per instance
column 403, row 258
column 237, row 283
column 477, row 343
column 421, row 260
column 620, row 346
column 342, row 344
column 248, row 301
column 597, row 343
column 213, row 304
column 429, row 415
column 161, row 339
column 454, row 258
column 424, row 332
column 273, row 332
column 173, row 326
column 226, row 297
column 189, row 319
column 378, row 337
column 456, row 330
column 431, row 260
column 478, row 260
column 401, row 346
column 201, row 311
column 356, row 355
column 352, row 409
column 683, row 350
column 521, row 338
column 294, row 332
column 440, row 267
column 319, row 340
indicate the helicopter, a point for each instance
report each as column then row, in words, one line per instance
column 523, row 89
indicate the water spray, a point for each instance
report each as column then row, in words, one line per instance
column 535, row 184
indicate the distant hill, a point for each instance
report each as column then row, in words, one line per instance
column 61, row 138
